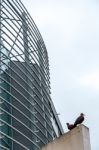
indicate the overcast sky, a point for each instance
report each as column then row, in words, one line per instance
column 70, row 29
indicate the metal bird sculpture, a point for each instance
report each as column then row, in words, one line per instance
column 79, row 120
column 70, row 126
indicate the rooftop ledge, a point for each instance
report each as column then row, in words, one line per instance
column 76, row 139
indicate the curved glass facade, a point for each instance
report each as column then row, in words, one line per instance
column 26, row 110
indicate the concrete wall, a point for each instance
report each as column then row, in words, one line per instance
column 76, row 139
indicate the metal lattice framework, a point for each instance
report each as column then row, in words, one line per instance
column 24, row 81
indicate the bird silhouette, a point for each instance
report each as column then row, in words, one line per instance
column 70, row 126
column 79, row 120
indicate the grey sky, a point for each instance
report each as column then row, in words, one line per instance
column 70, row 29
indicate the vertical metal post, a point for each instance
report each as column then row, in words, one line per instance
column 25, row 42
column 25, row 37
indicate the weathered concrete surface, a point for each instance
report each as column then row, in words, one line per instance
column 76, row 139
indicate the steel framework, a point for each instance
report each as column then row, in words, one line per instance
column 25, row 109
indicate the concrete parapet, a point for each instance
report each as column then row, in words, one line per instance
column 76, row 139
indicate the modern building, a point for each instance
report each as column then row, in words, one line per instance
column 28, row 119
